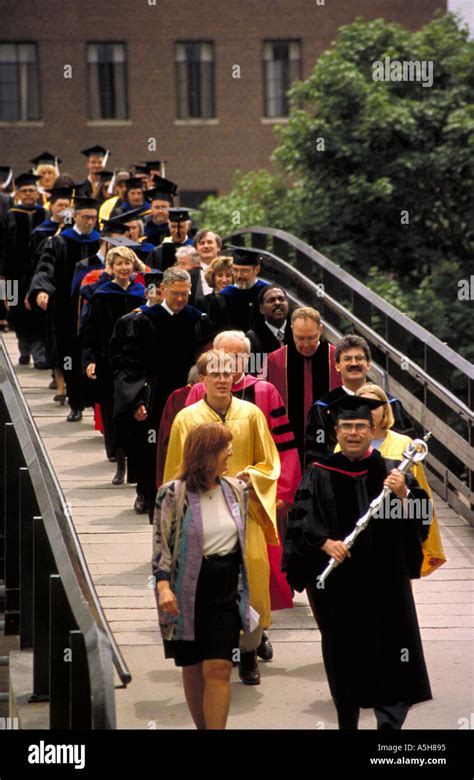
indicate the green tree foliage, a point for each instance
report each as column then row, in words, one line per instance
column 381, row 172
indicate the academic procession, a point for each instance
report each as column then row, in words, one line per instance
column 252, row 445
column 238, row 484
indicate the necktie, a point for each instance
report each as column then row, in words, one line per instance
column 280, row 336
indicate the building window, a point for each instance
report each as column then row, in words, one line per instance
column 19, row 92
column 282, row 66
column 195, row 80
column 107, row 69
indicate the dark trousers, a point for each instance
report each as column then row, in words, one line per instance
column 72, row 371
column 106, row 407
column 388, row 716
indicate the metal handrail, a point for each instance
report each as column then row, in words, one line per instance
column 102, row 650
column 302, row 277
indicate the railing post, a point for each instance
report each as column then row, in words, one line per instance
column 43, row 566
column 12, row 462
column 28, row 509
column 80, row 715
column 61, row 621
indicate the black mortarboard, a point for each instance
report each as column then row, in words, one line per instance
column 130, row 216
column 113, row 226
column 95, row 150
column 244, row 256
column 351, row 407
column 134, row 183
column 82, row 202
column 45, row 158
column 163, row 189
column 25, row 179
column 6, row 175
column 118, row 240
column 153, row 277
column 178, row 215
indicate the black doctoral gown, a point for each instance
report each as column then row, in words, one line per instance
column 108, row 304
column 151, row 357
column 243, row 312
column 15, row 263
column 366, row 612
column 54, row 275
column 320, row 436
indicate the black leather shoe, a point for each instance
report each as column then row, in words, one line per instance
column 75, row 415
column 52, row 385
column 265, row 649
column 24, row 360
column 141, row 505
column 248, row 668
column 41, row 366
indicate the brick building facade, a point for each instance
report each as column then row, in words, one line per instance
column 211, row 107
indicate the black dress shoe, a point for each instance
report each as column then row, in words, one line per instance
column 265, row 649
column 41, row 365
column 24, row 360
column 53, row 385
column 248, row 668
column 60, row 398
column 75, row 415
column 141, row 505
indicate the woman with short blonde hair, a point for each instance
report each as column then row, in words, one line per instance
column 128, row 254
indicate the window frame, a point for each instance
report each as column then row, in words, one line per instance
column 90, row 99
column 23, row 83
column 266, row 98
column 185, row 100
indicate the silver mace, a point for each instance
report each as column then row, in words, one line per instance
column 415, row 452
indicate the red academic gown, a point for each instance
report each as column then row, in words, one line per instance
column 301, row 381
column 268, row 399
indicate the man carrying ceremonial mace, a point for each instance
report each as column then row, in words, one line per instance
column 365, row 610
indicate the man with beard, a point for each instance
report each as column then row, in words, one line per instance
column 365, row 610
column 352, row 363
column 164, row 256
column 52, row 286
column 303, row 370
column 241, row 298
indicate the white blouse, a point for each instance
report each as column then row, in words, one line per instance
column 219, row 530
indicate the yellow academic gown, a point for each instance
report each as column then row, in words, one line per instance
column 434, row 556
column 253, row 451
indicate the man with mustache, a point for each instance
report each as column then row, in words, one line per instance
column 352, row 358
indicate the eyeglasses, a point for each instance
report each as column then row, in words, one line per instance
column 356, row 358
column 349, row 427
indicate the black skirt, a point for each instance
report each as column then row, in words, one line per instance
column 217, row 621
